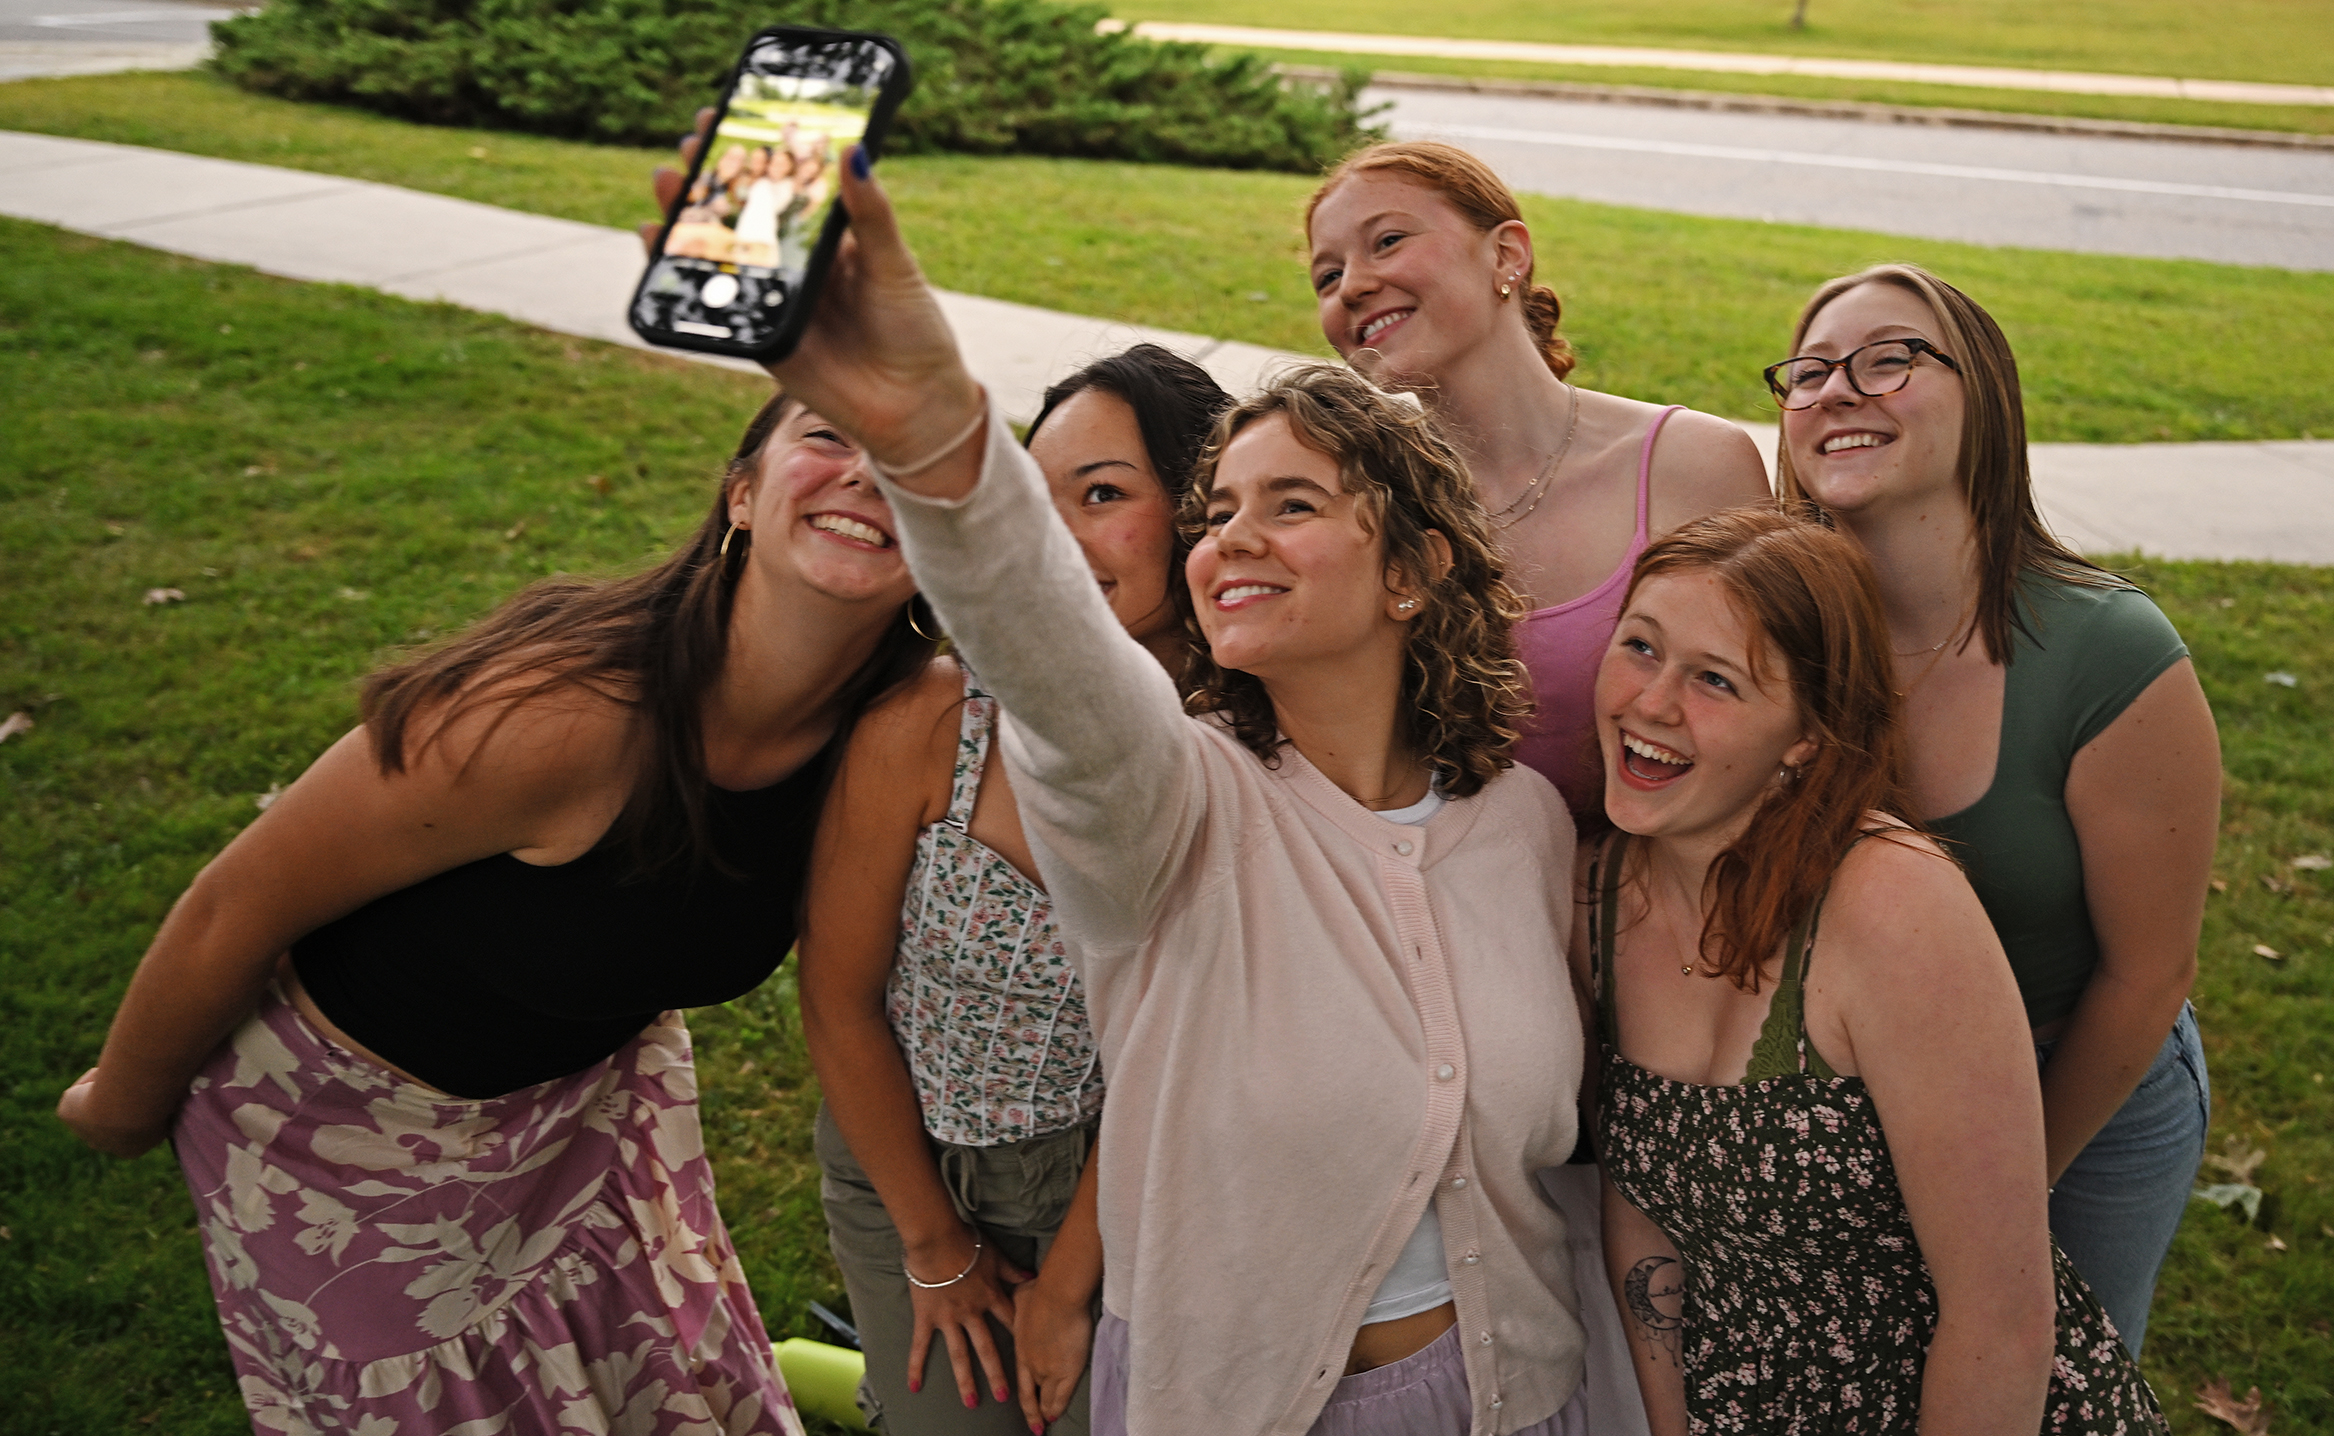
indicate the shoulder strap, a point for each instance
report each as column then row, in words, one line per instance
column 1787, row 1016
column 1604, row 883
column 972, row 753
column 1645, row 475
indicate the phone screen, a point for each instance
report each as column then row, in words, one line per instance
column 739, row 250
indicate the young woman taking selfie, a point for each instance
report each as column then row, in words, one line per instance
column 1822, row 1134
column 410, row 1033
column 947, row 1025
column 2056, row 736
column 1318, row 945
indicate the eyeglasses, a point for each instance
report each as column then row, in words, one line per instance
column 1874, row 370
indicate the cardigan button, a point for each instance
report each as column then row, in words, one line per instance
column 1445, row 1072
column 1458, row 1184
column 1486, row 1338
column 1402, row 846
column 1496, row 1403
column 1471, row 1258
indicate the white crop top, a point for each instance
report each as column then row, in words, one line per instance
column 1420, row 1279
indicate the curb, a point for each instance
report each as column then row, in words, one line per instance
column 1820, row 109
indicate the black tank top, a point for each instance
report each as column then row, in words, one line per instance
column 501, row 974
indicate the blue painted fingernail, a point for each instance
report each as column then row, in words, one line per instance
column 859, row 160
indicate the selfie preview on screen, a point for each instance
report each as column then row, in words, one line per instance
column 742, row 244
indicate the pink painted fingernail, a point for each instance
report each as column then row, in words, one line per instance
column 971, row 1402
column 1000, row 1393
column 914, row 1387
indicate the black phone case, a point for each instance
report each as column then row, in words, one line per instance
column 799, row 306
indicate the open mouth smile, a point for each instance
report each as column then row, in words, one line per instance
column 851, row 530
column 1860, row 439
column 1650, row 763
column 1240, row 595
column 1368, row 333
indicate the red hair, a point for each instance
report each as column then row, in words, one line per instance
column 1808, row 597
column 1478, row 194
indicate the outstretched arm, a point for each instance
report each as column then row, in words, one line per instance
column 1103, row 758
column 343, row 834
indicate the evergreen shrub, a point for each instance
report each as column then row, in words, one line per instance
column 992, row 76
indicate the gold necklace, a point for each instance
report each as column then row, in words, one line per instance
column 1936, row 654
column 1537, row 489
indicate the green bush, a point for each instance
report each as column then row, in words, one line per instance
column 992, row 76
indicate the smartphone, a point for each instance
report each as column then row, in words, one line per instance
column 738, row 266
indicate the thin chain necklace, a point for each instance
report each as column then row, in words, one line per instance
column 1936, row 655
column 1538, row 488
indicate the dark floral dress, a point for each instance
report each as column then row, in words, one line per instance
column 1807, row 1305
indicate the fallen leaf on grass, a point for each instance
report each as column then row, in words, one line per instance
column 2215, row 1400
column 2220, row 885
column 164, row 595
column 2241, row 1160
column 2276, row 1244
column 2282, row 680
column 2276, row 884
column 598, row 484
column 14, row 724
column 2231, row 1194
column 263, row 801
column 2263, row 949
column 2312, row 863
column 515, row 529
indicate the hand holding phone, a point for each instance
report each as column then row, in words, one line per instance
column 749, row 238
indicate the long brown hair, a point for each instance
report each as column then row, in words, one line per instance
column 1995, row 480
column 654, row 643
column 1487, row 203
column 1464, row 693
column 1809, row 600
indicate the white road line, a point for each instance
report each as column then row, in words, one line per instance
column 1858, row 162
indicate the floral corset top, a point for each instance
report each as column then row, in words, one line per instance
column 982, row 997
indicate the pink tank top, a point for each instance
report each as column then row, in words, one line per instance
column 1562, row 647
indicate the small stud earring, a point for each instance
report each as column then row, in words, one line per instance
column 1407, row 604
column 1504, row 291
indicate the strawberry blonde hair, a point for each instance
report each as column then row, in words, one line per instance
column 1810, row 603
column 1479, row 195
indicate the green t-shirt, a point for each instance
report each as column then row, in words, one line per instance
column 2091, row 651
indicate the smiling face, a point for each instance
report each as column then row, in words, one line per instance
column 1852, row 453
column 1398, row 269
column 817, row 520
column 1287, row 576
column 1091, row 451
column 1692, row 735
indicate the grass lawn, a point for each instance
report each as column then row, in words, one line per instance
column 2299, row 119
column 2287, row 41
column 1670, row 307
column 328, row 473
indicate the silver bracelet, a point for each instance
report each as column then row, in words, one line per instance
column 936, row 1285
column 901, row 471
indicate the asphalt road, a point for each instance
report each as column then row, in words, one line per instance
column 2232, row 204
column 65, row 37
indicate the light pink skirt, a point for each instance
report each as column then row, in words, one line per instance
column 392, row 1261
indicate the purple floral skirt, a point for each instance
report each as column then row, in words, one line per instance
column 392, row 1261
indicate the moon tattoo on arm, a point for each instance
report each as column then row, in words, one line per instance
column 1656, row 1292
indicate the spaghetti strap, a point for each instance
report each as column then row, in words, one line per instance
column 1645, row 476
column 1604, row 885
column 972, row 753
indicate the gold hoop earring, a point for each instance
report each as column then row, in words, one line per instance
column 918, row 628
column 725, row 538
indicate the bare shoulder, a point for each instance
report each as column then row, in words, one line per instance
column 905, row 720
column 514, row 730
column 1702, row 463
column 1899, row 905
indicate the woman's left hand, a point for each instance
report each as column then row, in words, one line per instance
column 879, row 358
column 79, row 1110
column 1053, row 1335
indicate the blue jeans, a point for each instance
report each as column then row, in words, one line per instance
column 2115, row 1210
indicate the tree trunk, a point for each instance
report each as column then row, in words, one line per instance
column 1799, row 15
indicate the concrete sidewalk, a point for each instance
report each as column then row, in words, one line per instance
column 2260, row 501
column 1988, row 77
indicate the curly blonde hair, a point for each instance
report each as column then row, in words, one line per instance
column 1465, row 694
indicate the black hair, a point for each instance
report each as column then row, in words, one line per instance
column 1174, row 400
